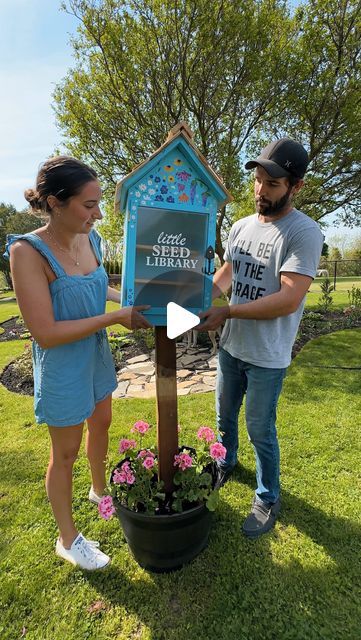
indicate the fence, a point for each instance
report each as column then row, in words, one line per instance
column 334, row 269
column 328, row 268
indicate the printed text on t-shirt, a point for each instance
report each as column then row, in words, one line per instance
column 249, row 269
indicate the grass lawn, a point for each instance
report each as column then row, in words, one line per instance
column 300, row 582
column 340, row 297
column 8, row 309
column 6, row 294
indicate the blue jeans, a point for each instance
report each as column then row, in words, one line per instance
column 262, row 387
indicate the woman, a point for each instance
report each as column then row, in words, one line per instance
column 62, row 288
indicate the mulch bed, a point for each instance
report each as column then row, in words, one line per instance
column 11, row 379
column 19, row 380
column 13, row 331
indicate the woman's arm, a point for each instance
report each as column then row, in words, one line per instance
column 32, row 292
column 113, row 295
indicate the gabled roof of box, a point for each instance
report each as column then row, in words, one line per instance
column 183, row 135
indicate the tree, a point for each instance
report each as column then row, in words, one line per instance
column 354, row 253
column 239, row 72
column 334, row 254
column 6, row 210
column 355, row 248
column 13, row 222
column 341, row 241
column 144, row 65
column 324, row 107
column 109, row 230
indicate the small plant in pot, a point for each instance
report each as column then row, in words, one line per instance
column 164, row 531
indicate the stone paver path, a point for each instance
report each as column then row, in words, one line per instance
column 196, row 373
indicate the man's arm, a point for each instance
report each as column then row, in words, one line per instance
column 294, row 287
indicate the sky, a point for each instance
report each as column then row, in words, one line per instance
column 35, row 54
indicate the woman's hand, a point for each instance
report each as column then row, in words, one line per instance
column 132, row 318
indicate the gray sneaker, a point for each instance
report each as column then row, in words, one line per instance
column 261, row 519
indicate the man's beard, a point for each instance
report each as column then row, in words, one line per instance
column 268, row 208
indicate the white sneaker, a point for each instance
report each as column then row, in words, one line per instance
column 83, row 553
column 93, row 497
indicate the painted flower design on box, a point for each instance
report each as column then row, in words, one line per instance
column 174, row 182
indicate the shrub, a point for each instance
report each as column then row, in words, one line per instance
column 325, row 299
column 354, row 296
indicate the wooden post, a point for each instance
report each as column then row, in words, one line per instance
column 167, row 418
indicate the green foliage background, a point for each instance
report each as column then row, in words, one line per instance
column 239, row 72
column 12, row 221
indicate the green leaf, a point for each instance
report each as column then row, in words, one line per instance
column 212, row 501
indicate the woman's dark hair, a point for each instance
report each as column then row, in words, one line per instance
column 60, row 176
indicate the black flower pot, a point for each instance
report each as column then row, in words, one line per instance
column 163, row 543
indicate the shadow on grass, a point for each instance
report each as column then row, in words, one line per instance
column 330, row 364
column 338, row 536
column 236, row 589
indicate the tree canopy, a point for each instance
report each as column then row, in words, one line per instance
column 239, row 72
column 12, row 221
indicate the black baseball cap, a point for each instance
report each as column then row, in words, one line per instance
column 282, row 158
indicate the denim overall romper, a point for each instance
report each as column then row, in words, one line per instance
column 70, row 379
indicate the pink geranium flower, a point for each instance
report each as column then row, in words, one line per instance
column 118, row 476
column 126, row 444
column 207, row 434
column 148, row 462
column 129, row 476
column 183, row 461
column 217, row 451
column 106, row 507
column 124, row 474
column 144, row 453
column 141, row 427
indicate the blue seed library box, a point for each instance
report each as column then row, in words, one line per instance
column 170, row 204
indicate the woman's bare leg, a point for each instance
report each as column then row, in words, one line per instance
column 96, row 443
column 65, row 443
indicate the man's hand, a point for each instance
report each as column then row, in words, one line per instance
column 214, row 318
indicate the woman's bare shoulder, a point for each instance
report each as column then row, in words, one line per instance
column 24, row 255
column 22, row 246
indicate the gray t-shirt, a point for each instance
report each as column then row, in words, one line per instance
column 259, row 253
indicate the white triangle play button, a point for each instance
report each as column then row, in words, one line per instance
column 179, row 320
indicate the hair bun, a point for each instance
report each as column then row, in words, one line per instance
column 32, row 197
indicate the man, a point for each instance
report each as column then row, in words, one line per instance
column 270, row 260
